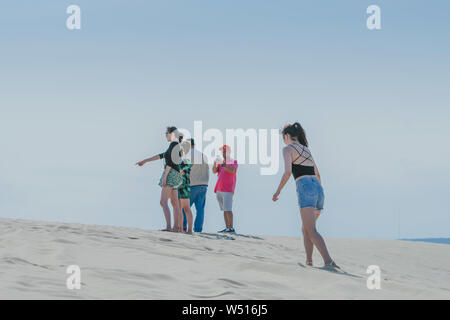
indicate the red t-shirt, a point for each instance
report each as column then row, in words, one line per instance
column 226, row 182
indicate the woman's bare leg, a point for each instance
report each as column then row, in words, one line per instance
column 180, row 218
column 165, row 195
column 180, row 215
column 176, row 211
column 186, row 205
column 318, row 214
column 309, row 247
column 309, row 223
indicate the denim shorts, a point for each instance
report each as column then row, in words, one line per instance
column 310, row 193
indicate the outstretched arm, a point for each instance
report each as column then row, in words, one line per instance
column 287, row 172
column 154, row 158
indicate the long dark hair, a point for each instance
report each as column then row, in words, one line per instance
column 296, row 132
column 178, row 134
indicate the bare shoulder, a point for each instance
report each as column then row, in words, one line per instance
column 286, row 151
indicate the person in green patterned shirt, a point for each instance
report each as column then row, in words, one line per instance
column 184, row 191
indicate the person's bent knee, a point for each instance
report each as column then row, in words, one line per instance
column 310, row 230
column 313, row 233
column 305, row 232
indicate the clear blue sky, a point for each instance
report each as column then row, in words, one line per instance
column 79, row 108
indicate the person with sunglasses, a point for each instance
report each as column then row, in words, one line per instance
column 171, row 178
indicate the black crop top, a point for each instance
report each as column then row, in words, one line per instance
column 299, row 170
column 172, row 157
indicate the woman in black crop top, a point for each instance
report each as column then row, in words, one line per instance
column 299, row 162
column 171, row 178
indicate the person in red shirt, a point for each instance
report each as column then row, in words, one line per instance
column 226, row 169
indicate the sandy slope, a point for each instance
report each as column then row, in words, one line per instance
column 131, row 263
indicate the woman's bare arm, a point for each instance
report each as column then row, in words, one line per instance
column 287, row 172
column 154, row 158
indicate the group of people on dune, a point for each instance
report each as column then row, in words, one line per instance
column 185, row 179
column 185, row 183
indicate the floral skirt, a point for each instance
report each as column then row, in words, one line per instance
column 174, row 179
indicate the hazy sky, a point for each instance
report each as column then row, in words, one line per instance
column 79, row 108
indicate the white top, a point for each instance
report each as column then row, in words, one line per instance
column 200, row 168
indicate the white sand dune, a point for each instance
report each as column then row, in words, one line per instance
column 124, row 263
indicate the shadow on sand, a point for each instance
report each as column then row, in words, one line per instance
column 222, row 236
column 332, row 270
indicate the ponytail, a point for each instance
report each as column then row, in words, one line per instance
column 297, row 133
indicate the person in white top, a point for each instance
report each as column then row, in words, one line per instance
column 199, row 178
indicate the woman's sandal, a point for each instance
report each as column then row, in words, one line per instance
column 309, row 263
column 332, row 265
